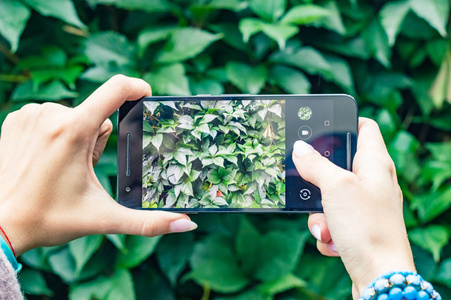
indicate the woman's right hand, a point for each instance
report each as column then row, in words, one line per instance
column 363, row 212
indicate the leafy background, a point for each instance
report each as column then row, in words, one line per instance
column 393, row 56
column 213, row 154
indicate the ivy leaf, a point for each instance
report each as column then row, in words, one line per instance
column 151, row 106
column 433, row 12
column 279, row 285
column 444, row 273
column 276, row 109
column 278, row 32
column 213, row 263
column 180, row 158
column 173, row 253
column 83, row 248
column 213, row 149
column 333, row 21
column 432, row 238
column 270, row 10
column 109, row 48
column 52, row 91
column 391, row 16
column 186, row 43
column 169, row 80
column 61, row 9
column 290, row 80
column 377, row 42
column 247, row 78
column 433, row 204
column 157, row 140
column 139, row 248
column 306, row 58
column 153, row 35
column 13, row 24
column 304, row 14
column 208, row 118
column 144, row 5
column 219, row 161
column 32, row 282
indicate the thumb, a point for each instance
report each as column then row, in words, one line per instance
column 315, row 168
column 123, row 220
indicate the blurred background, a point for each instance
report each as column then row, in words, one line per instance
column 394, row 57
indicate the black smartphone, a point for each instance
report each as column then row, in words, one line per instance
column 229, row 153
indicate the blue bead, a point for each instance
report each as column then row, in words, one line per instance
column 428, row 287
column 413, row 279
column 422, row 295
column 436, row 295
column 410, row 293
column 397, row 279
column 382, row 297
column 395, row 294
column 381, row 284
column 368, row 294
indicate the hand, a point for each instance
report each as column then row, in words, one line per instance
column 49, row 193
column 363, row 213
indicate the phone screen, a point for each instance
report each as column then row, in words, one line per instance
column 234, row 154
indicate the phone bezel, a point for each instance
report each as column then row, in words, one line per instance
column 130, row 147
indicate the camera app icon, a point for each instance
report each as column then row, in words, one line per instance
column 305, row 194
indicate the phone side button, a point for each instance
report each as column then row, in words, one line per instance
column 348, row 151
column 127, row 156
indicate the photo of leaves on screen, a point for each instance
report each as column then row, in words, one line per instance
column 214, row 154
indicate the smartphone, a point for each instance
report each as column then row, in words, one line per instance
column 229, row 153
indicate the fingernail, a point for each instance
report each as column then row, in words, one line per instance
column 316, row 231
column 301, row 148
column 182, row 225
column 332, row 247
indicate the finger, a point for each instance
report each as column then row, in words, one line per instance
column 318, row 227
column 315, row 168
column 124, row 220
column 102, row 139
column 327, row 249
column 372, row 155
column 110, row 96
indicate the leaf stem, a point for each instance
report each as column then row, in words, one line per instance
column 206, row 294
column 13, row 78
column 8, row 54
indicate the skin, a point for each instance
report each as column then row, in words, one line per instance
column 49, row 193
column 363, row 214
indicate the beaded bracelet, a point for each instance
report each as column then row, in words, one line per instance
column 398, row 286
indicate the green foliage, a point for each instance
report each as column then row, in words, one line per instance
column 214, row 154
column 393, row 56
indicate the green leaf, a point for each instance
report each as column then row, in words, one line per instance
column 270, row 10
column 109, row 48
column 13, row 24
column 153, row 6
column 376, row 41
column 333, row 21
column 157, row 140
column 215, row 265
column 340, row 73
column 186, row 43
column 169, row 80
column 304, row 14
column 173, row 253
column 52, row 91
column 433, row 204
column 32, row 282
column 435, row 12
column 63, row 264
column 290, row 80
column 282, row 284
column 139, row 248
column 391, row 16
column 247, row 246
column 278, row 32
column 152, row 35
column 61, row 9
column 444, row 273
column 247, row 78
column 116, row 287
column 282, row 252
column 307, row 59
column 83, row 248
column 432, row 238
column 205, row 86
